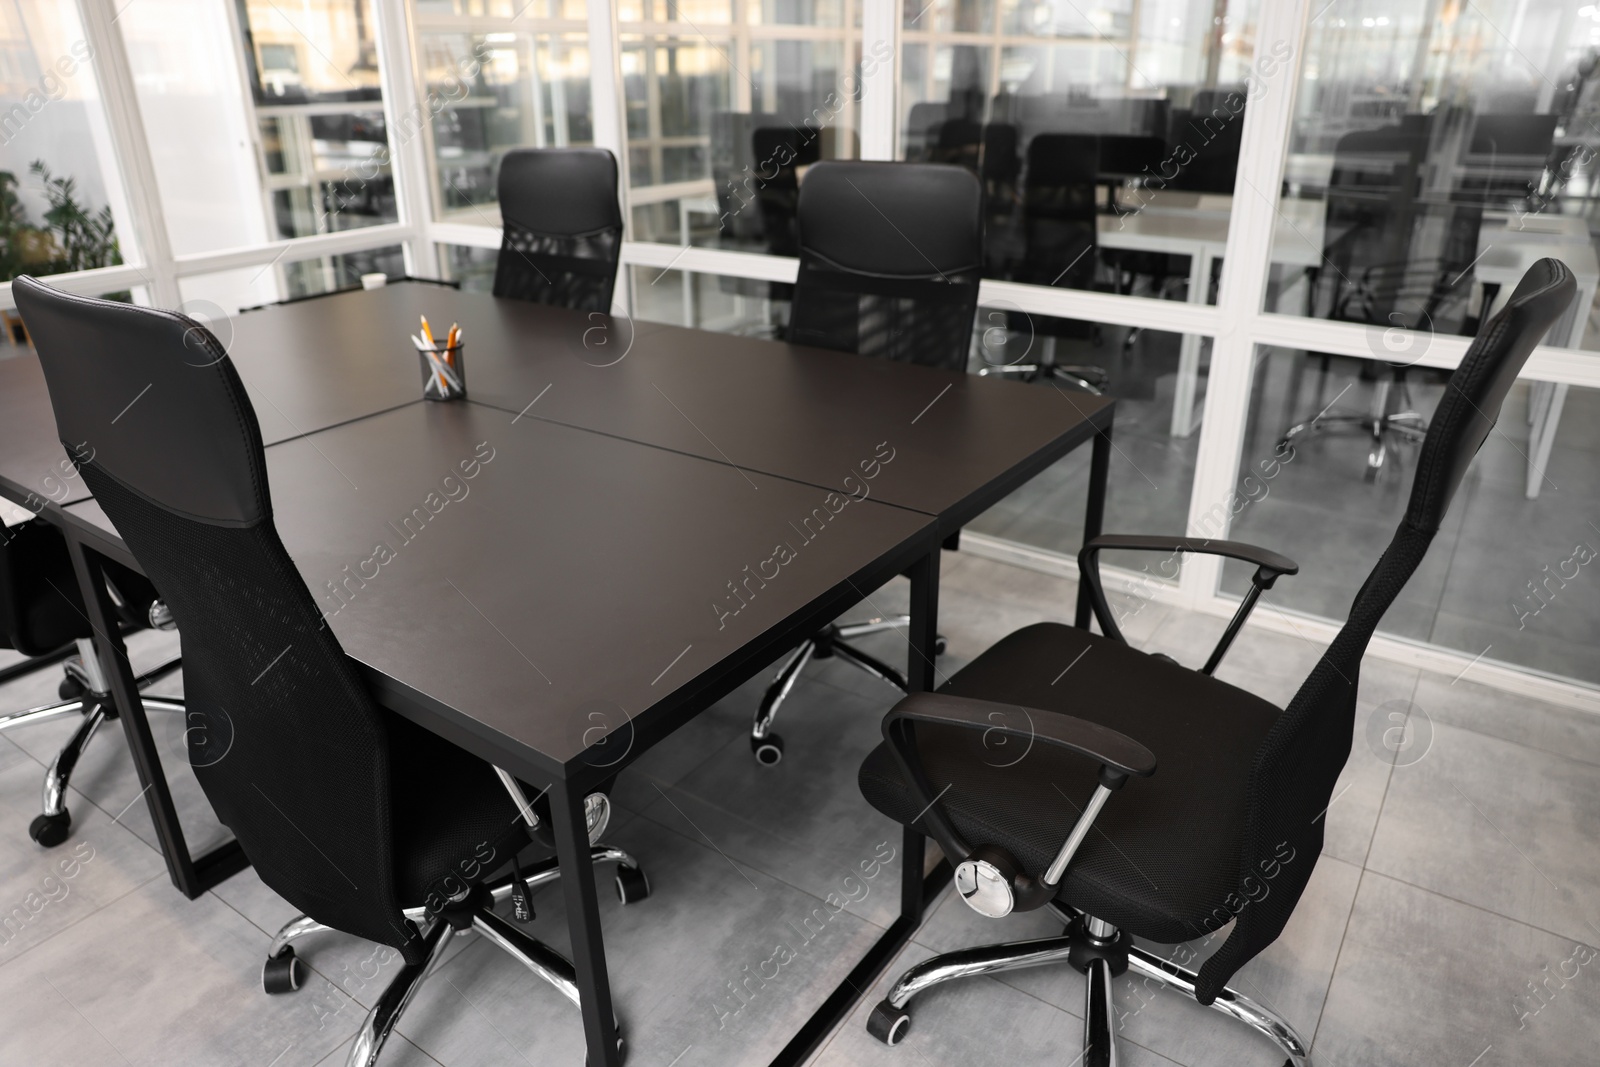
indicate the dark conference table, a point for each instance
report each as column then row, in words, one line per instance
column 656, row 470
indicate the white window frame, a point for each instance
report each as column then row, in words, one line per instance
column 1237, row 325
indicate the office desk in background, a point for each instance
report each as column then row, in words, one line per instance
column 1196, row 225
column 593, row 569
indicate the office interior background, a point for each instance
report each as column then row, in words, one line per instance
column 279, row 150
column 220, row 155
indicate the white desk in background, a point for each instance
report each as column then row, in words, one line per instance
column 1196, row 225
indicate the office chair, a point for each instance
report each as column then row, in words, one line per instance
column 890, row 255
column 1399, row 258
column 367, row 823
column 1051, row 795
column 1060, row 217
column 562, row 232
column 42, row 615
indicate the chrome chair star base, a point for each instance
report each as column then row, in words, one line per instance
column 1386, row 428
column 471, row 912
column 831, row 641
column 86, row 692
column 1089, row 379
column 1103, row 953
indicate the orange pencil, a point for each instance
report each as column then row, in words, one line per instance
column 450, row 342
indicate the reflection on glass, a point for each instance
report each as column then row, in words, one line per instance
column 799, row 12
column 710, row 301
column 1151, row 469
column 1106, row 134
column 699, row 12
column 721, row 127
column 493, row 91
column 57, row 211
column 472, row 267
column 1432, row 141
column 312, row 52
column 331, row 274
column 1498, row 572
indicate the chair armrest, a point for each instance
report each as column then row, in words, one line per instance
column 1270, row 566
column 988, row 878
column 1116, row 752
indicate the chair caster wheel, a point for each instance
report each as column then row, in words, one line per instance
column 622, row 1051
column 888, row 1023
column 283, row 973
column 633, row 885
column 939, row 645
column 70, row 688
column 50, row 830
column 768, row 750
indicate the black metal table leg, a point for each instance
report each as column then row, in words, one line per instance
column 192, row 875
column 924, row 575
column 583, row 924
column 1094, row 510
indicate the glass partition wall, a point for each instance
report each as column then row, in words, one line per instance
column 1269, row 229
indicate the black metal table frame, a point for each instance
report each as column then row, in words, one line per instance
column 192, row 875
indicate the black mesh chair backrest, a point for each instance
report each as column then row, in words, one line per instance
column 562, row 232
column 890, row 255
column 175, row 459
column 1397, row 255
column 1061, row 209
column 780, row 152
column 1292, row 779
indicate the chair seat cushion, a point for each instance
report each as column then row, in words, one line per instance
column 1165, row 852
column 454, row 822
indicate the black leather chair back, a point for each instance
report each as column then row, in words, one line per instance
column 890, row 256
column 562, row 233
column 1292, row 780
column 174, row 457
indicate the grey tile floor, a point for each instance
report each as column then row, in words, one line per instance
column 1448, row 921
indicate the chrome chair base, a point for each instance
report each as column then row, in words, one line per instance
column 85, row 692
column 1385, row 428
column 831, row 641
column 284, row 972
column 890, row 1021
column 1085, row 378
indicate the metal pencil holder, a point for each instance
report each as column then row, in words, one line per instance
column 444, row 374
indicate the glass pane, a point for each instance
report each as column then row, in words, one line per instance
column 721, row 127
column 962, row 16
column 1159, row 381
column 1505, row 576
column 698, row 12
column 796, row 12
column 570, row 10
column 710, row 301
column 1106, row 134
column 305, row 151
column 1436, row 153
column 472, row 267
column 212, row 297
column 494, row 91
column 60, row 201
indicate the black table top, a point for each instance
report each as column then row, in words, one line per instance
column 307, row 366
column 803, row 413
column 575, row 588
column 33, row 465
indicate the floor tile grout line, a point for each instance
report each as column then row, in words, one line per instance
column 1558, row 935
column 89, row 915
column 765, row 873
column 1333, row 972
